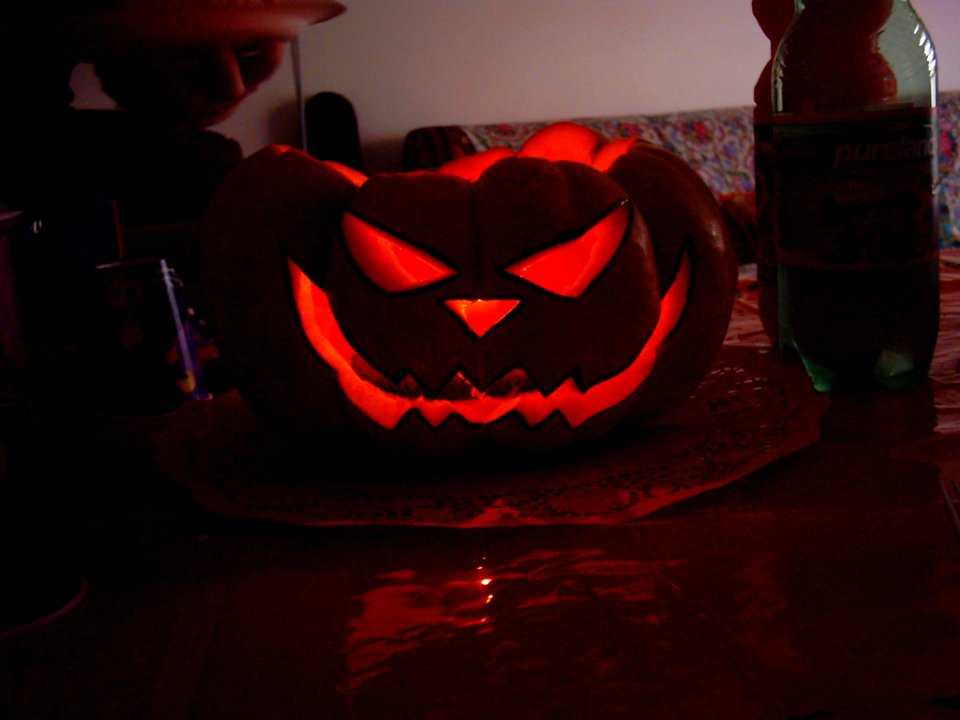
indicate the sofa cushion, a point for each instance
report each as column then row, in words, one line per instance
column 950, row 169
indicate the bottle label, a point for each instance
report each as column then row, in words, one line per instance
column 857, row 190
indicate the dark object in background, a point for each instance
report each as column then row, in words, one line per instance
column 157, row 175
column 331, row 129
column 427, row 148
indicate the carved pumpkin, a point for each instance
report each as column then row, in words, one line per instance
column 526, row 299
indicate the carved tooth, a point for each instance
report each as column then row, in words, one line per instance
column 436, row 412
column 368, row 372
column 513, row 383
column 459, row 388
column 409, row 388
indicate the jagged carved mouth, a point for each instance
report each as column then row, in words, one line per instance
column 386, row 402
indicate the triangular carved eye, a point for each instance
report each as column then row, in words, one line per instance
column 569, row 268
column 391, row 264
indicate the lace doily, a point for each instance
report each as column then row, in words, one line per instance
column 749, row 411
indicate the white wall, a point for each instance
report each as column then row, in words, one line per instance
column 406, row 64
column 409, row 63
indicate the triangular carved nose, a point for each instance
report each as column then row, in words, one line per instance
column 481, row 315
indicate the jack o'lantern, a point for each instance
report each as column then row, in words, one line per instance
column 525, row 299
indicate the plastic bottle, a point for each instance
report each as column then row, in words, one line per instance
column 855, row 177
column 774, row 17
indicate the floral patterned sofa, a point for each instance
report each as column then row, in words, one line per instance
column 717, row 143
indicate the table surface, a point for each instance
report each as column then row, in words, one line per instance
column 825, row 584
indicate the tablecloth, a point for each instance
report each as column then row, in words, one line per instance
column 750, row 411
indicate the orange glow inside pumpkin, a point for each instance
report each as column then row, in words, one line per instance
column 386, row 402
column 393, row 265
column 568, row 269
column 481, row 316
